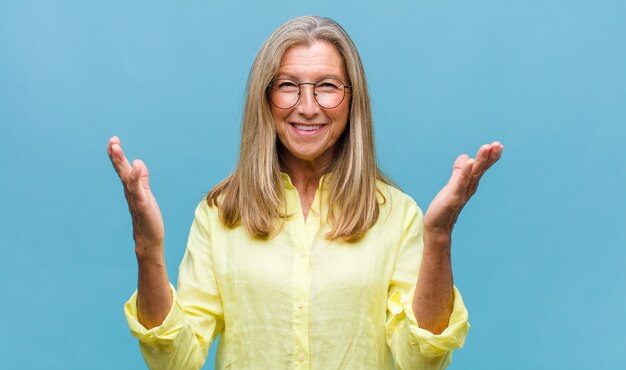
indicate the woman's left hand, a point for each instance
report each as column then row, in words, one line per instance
column 446, row 206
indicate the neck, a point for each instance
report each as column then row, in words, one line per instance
column 305, row 176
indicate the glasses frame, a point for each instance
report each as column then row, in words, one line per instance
column 314, row 84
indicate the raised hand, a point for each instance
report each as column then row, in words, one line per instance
column 148, row 230
column 433, row 298
column 448, row 203
column 154, row 298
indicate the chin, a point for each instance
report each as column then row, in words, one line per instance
column 306, row 156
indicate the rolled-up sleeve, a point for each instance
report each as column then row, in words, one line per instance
column 411, row 346
column 196, row 316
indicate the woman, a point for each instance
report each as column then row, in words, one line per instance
column 305, row 256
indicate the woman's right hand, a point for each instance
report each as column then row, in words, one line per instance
column 148, row 229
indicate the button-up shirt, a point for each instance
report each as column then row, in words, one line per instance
column 299, row 300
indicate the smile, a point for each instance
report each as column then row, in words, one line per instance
column 307, row 129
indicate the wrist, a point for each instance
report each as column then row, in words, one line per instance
column 438, row 227
column 437, row 240
column 438, row 232
column 149, row 253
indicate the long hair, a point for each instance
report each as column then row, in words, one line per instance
column 253, row 195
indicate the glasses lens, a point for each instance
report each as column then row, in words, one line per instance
column 284, row 93
column 329, row 92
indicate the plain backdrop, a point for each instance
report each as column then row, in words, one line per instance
column 538, row 254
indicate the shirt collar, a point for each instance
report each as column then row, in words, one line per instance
column 325, row 179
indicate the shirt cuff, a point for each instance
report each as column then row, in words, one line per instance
column 431, row 345
column 159, row 336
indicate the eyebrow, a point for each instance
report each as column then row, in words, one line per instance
column 293, row 77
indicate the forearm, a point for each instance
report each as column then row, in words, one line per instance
column 433, row 299
column 154, row 297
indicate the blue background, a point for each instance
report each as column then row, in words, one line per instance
column 538, row 253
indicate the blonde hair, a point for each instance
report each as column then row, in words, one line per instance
column 253, row 194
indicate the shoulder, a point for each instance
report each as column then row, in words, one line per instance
column 395, row 203
column 206, row 213
column 394, row 196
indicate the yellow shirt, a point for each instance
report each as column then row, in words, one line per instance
column 298, row 300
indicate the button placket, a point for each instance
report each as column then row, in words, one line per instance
column 304, row 233
column 301, row 311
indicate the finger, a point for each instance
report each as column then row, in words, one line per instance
column 482, row 158
column 460, row 161
column 458, row 166
column 134, row 187
column 134, row 176
column 494, row 154
column 140, row 178
column 466, row 172
column 118, row 159
column 462, row 177
column 144, row 175
column 113, row 140
column 483, row 162
column 498, row 149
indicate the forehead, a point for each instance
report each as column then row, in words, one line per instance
column 320, row 59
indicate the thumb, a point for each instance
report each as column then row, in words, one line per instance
column 457, row 168
column 134, row 180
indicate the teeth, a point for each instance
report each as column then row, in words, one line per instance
column 307, row 127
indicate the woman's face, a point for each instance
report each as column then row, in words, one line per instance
column 308, row 131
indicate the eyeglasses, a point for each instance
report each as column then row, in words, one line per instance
column 328, row 93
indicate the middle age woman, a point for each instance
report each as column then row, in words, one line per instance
column 306, row 256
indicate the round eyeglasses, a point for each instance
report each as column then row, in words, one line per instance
column 328, row 93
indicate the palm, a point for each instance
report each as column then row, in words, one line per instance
column 466, row 173
column 148, row 229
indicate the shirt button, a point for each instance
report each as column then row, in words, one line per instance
column 300, row 305
column 404, row 300
column 301, row 357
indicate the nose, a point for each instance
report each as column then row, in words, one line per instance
column 307, row 104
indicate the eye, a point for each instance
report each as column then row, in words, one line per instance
column 286, row 86
column 329, row 85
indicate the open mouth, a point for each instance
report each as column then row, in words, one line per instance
column 307, row 129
